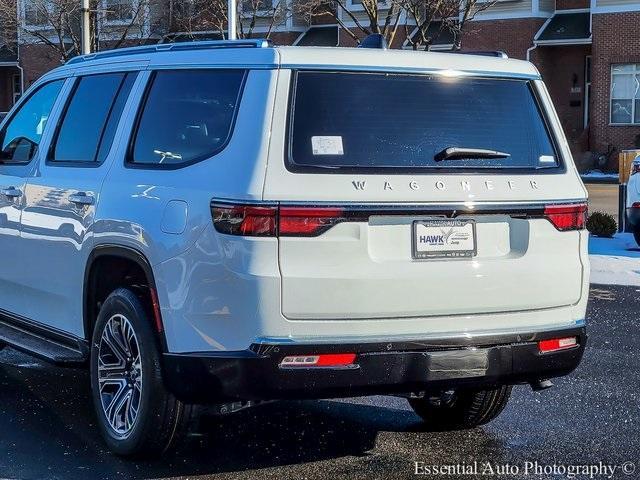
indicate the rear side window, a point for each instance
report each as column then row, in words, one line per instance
column 88, row 126
column 357, row 121
column 187, row 116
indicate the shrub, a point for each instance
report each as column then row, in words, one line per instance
column 602, row 224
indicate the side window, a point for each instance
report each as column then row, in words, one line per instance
column 21, row 136
column 91, row 117
column 187, row 116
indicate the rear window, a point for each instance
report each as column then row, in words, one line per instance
column 358, row 121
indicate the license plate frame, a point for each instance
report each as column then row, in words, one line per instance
column 454, row 233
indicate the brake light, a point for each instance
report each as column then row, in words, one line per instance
column 322, row 360
column 269, row 221
column 557, row 344
column 246, row 220
column 303, row 221
column 567, row 217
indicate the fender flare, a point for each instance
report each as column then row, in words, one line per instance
column 124, row 252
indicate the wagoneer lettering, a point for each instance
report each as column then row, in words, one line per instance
column 463, row 185
column 251, row 228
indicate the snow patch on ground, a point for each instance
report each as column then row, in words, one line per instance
column 615, row 261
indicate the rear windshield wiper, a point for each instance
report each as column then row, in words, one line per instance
column 456, row 153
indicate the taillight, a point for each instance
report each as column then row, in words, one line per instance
column 303, row 221
column 556, row 344
column 269, row 221
column 246, row 220
column 567, row 217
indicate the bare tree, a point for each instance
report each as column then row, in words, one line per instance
column 423, row 21
column 268, row 14
column 422, row 15
column 191, row 17
column 127, row 22
column 56, row 24
column 468, row 10
column 371, row 16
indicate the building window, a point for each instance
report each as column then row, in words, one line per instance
column 36, row 14
column 119, row 11
column 358, row 4
column 184, row 9
column 258, row 6
column 625, row 94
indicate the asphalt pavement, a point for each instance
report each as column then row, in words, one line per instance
column 592, row 417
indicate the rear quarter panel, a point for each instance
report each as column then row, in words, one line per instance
column 163, row 213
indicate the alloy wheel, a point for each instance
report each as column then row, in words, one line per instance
column 120, row 375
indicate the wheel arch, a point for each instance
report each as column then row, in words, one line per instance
column 124, row 257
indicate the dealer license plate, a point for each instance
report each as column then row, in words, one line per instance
column 444, row 238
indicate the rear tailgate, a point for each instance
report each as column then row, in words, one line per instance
column 397, row 209
column 367, row 270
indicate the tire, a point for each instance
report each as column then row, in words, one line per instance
column 636, row 236
column 160, row 421
column 461, row 410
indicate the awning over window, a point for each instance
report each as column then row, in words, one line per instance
column 566, row 29
column 325, row 36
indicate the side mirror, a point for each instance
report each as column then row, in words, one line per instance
column 19, row 150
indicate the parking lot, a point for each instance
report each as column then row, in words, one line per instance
column 592, row 416
column 603, row 197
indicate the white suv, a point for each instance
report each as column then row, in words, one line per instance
column 221, row 223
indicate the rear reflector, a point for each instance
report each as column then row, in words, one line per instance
column 567, row 217
column 556, row 344
column 324, row 360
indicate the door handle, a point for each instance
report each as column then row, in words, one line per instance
column 11, row 192
column 81, row 198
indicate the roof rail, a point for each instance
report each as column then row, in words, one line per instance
column 485, row 53
column 174, row 47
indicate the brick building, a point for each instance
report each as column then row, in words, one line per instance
column 588, row 54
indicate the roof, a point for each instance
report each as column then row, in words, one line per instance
column 573, row 27
column 319, row 36
column 259, row 54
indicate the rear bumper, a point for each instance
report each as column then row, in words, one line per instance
column 381, row 368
